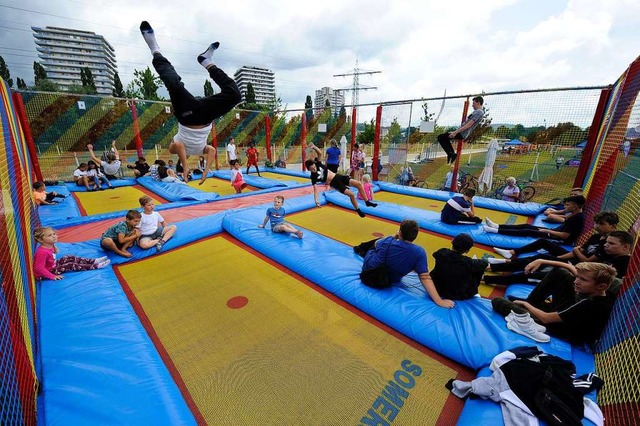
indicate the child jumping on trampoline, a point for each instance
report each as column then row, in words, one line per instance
column 195, row 116
column 276, row 215
column 45, row 264
column 320, row 173
column 119, row 237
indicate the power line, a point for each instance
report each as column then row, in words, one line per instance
column 357, row 87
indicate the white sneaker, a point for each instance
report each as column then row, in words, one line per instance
column 512, row 317
column 489, row 229
column 529, row 330
column 502, row 252
column 103, row 264
column 495, row 261
column 491, row 224
column 101, row 259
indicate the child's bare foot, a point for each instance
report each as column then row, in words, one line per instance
column 123, row 253
column 299, row 234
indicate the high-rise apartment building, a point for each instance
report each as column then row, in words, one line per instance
column 64, row 52
column 263, row 81
column 335, row 98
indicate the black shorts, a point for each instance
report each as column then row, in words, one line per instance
column 340, row 182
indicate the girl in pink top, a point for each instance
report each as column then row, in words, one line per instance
column 45, row 265
column 367, row 186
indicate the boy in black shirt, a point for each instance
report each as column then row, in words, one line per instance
column 320, row 173
column 567, row 233
column 455, row 275
column 591, row 251
column 572, row 303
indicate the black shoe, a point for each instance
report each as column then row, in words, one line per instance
column 370, row 204
column 453, row 157
column 360, row 213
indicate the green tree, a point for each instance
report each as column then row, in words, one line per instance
column 21, row 84
column 86, row 76
column 208, row 88
column 38, row 72
column 428, row 116
column 77, row 89
column 118, row 90
column 132, row 91
column 46, row 85
column 394, row 135
column 368, row 134
column 250, row 96
column 501, row 132
column 147, row 84
column 308, row 107
column 343, row 112
column 5, row 73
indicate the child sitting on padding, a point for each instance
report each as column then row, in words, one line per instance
column 45, row 264
column 455, row 275
column 276, row 215
column 119, row 237
column 153, row 231
column 42, row 197
column 367, row 186
column 237, row 180
column 459, row 209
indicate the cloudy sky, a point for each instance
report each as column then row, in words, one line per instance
column 422, row 47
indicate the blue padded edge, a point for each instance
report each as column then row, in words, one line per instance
column 258, row 182
column 100, row 367
column 81, row 220
column 174, row 191
column 430, row 221
column 485, row 412
column 289, row 172
column 408, row 310
column 524, row 209
column 63, row 211
column 519, row 290
column 117, row 183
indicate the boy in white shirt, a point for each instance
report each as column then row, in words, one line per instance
column 153, row 231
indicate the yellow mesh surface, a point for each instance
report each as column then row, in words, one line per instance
column 278, row 176
column 436, row 206
column 220, row 186
column 346, row 226
column 290, row 356
column 111, row 200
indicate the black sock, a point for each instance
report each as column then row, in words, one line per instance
column 371, row 204
column 360, row 213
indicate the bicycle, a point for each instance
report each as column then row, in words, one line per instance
column 411, row 182
column 466, row 181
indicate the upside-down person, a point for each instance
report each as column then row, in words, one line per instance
column 195, row 116
column 320, row 173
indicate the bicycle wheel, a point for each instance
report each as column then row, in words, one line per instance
column 527, row 193
column 497, row 194
column 421, row 184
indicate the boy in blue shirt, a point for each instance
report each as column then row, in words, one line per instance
column 459, row 209
column 119, row 237
column 276, row 215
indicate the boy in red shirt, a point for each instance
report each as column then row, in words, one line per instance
column 252, row 157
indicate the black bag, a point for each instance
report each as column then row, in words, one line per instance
column 376, row 277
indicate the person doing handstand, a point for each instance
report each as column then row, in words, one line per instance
column 195, row 116
column 320, row 173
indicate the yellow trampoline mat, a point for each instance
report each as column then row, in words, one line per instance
column 347, row 227
column 290, row 355
column 279, row 176
column 111, row 200
column 220, row 186
column 436, row 206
